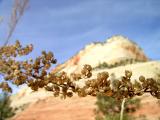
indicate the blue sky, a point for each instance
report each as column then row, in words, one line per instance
column 66, row 26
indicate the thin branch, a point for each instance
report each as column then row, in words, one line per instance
column 1, row 19
column 17, row 12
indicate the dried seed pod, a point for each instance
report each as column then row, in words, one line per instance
column 82, row 92
column 142, row 79
column 48, row 88
column 128, row 73
column 69, row 94
column 56, row 94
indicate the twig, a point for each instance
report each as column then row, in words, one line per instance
column 17, row 12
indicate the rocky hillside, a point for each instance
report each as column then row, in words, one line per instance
column 42, row 104
column 76, row 108
column 111, row 51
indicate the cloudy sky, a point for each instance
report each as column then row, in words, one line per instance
column 66, row 26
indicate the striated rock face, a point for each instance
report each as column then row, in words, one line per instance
column 76, row 108
column 51, row 108
column 111, row 51
column 26, row 96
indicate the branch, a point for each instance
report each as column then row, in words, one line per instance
column 17, row 12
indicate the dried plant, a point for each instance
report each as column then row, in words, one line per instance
column 35, row 74
column 17, row 12
column 1, row 19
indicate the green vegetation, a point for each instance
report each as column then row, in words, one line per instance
column 109, row 108
column 6, row 111
column 120, row 63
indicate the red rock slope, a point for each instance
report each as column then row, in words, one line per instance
column 74, row 108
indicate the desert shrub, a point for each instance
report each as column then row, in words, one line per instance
column 119, row 63
column 114, row 117
column 109, row 108
column 6, row 111
column 102, row 65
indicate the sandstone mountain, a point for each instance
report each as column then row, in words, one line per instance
column 113, row 51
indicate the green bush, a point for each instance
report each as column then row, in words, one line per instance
column 109, row 108
column 116, row 64
column 6, row 111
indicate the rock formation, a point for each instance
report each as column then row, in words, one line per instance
column 113, row 50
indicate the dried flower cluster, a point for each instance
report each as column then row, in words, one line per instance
column 23, row 72
column 35, row 74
